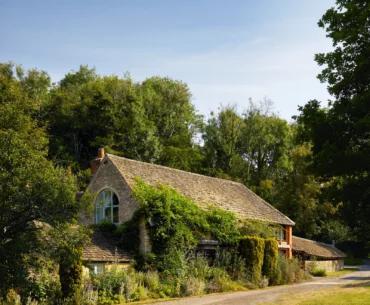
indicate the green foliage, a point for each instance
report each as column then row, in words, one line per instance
column 345, row 159
column 231, row 261
column 223, row 226
column 33, row 190
column 177, row 224
column 258, row 228
column 289, row 271
column 117, row 285
column 251, row 248
column 150, row 121
column 69, row 242
column 270, row 259
column 318, row 272
column 70, row 279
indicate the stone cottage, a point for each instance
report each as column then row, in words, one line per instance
column 112, row 183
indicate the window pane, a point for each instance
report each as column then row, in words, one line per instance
column 99, row 214
column 115, row 214
column 115, row 199
column 100, row 200
column 104, row 204
column 108, row 197
column 108, row 213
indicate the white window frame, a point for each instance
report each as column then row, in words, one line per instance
column 103, row 201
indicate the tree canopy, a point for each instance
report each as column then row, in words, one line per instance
column 340, row 132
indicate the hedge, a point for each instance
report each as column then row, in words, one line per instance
column 251, row 249
column 270, row 259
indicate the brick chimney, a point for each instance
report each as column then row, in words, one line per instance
column 94, row 164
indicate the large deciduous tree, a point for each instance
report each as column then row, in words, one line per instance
column 32, row 189
column 340, row 133
column 152, row 121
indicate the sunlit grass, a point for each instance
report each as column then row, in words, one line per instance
column 341, row 272
column 347, row 295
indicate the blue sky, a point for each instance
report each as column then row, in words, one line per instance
column 226, row 51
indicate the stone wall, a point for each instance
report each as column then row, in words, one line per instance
column 328, row 265
column 108, row 177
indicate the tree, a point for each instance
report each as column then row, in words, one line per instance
column 32, row 189
column 221, row 143
column 87, row 111
column 153, row 121
column 168, row 106
column 340, row 133
column 265, row 142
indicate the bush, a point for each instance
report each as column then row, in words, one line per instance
column 192, row 286
column 70, row 273
column 251, row 248
column 289, row 271
column 270, row 259
column 220, row 281
column 198, row 267
column 318, row 272
column 152, row 283
column 232, row 262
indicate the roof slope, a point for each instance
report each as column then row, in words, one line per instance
column 102, row 249
column 205, row 191
column 316, row 248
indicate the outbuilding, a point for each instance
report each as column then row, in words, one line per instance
column 318, row 254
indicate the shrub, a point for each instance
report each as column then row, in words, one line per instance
column 251, row 248
column 258, row 228
column 270, row 259
column 318, row 272
column 198, row 267
column 70, row 273
column 192, row 286
column 289, row 271
column 232, row 262
column 152, row 282
column 220, row 281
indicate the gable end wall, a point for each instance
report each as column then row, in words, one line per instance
column 108, row 176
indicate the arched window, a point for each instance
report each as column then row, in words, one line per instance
column 106, row 207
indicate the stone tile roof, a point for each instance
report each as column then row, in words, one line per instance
column 205, row 191
column 102, row 249
column 315, row 248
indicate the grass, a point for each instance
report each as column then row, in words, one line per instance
column 358, row 294
column 341, row 272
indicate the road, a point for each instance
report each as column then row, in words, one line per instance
column 253, row 297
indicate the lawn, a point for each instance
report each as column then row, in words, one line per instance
column 347, row 295
column 341, row 272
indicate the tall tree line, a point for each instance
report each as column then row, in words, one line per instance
column 155, row 121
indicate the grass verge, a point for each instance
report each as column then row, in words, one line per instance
column 358, row 294
column 342, row 272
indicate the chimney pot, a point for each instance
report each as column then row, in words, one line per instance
column 94, row 164
column 101, row 153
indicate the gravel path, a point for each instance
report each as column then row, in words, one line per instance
column 271, row 294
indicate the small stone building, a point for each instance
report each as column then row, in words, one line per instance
column 102, row 253
column 321, row 255
column 114, row 178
